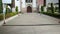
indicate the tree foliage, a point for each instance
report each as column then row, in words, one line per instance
column 1, row 8
column 16, row 9
column 42, row 8
column 52, row 8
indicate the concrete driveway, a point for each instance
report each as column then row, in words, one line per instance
column 32, row 19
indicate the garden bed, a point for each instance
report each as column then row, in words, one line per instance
column 7, row 15
column 56, row 15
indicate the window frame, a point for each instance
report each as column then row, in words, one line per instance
column 28, row 1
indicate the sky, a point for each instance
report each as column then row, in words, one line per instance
column 54, row 1
column 51, row 1
column 6, row 1
column 40, row 1
column 47, row 1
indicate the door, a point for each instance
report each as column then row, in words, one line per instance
column 29, row 9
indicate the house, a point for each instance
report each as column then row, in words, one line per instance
column 24, row 5
column 27, row 6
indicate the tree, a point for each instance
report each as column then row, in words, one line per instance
column 52, row 8
column 16, row 9
column 42, row 8
column 1, row 8
column 59, row 6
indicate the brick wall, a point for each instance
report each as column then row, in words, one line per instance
column 40, row 2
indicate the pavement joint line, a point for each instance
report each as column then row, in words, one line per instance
column 33, row 25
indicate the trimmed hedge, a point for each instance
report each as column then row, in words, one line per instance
column 52, row 14
column 7, row 15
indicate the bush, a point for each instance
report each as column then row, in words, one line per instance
column 7, row 15
column 16, row 9
column 52, row 8
column 42, row 8
column 1, row 8
column 49, row 9
column 13, row 13
column 56, row 9
column 1, row 17
column 10, row 14
column 52, row 14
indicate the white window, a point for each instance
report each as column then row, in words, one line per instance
column 17, row 0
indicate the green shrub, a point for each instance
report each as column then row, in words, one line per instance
column 1, row 17
column 16, row 9
column 52, row 14
column 52, row 8
column 56, row 9
column 49, row 9
column 1, row 8
column 13, row 13
column 7, row 15
column 10, row 14
column 42, row 8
